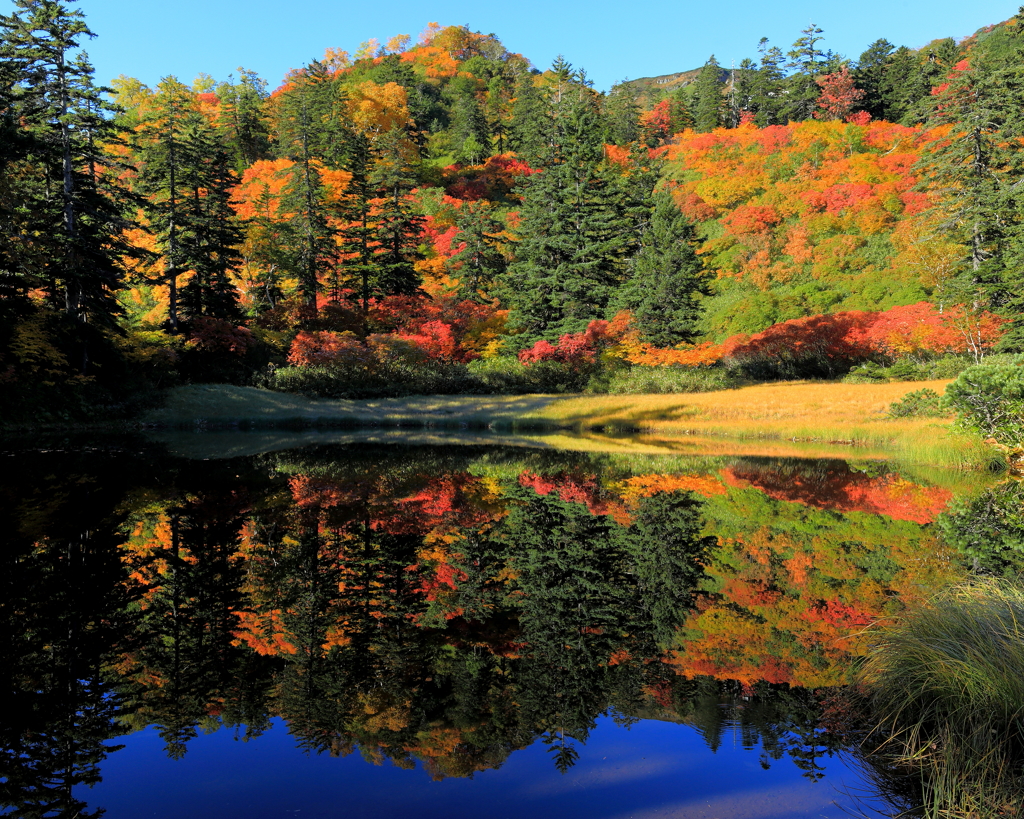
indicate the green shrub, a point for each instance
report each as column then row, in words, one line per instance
column 949, row 366
column 507, row 375
column 392, row 380
column 989, row 398
column 640, row 380
column 920, row 404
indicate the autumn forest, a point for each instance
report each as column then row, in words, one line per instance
column 437, row 215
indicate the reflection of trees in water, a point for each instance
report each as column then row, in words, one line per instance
column 64, row 607
column 988, row 529
column 393, row 603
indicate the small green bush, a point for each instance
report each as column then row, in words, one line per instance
column 640, row 380
column 920, row 404
column 507, row 375
column 989, row 398
column 949, row 366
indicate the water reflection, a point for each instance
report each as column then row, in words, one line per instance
column 441, row 607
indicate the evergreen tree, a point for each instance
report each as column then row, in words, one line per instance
column 668, row 278
column 680, row 116
column 622, row 117
column 307, row 130
column 870, row 76
column 897, row 83
column 480, row 263
column 571, row 254
column 807, row 61
column 158, row 147
column 69, row 212
column 528, row 128
column 210, row 234
column 398, row 224
column 243, row 118
column 768, row 86
column 708, row 102
column 741, row 96
column 469, row 132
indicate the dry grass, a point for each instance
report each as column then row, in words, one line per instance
column 811, row 419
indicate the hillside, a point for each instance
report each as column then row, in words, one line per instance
column 440, row 215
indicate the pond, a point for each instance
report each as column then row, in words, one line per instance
column 365, row 629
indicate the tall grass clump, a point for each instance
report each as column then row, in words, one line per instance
column 944, row 687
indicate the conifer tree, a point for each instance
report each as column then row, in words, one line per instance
column 622, row 117
column 305, row 135
column 708, row 102
column 66, row 200
column 398, row 224
column 243, row 118
column 767, row 93
column 667, row 279
column 571, row 254
column 159, row 149
column 528, row 128
column 807, row 61
column 210, row 234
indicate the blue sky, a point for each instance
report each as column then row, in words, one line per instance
column 149, row 39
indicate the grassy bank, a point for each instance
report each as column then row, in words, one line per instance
column 944, row 688
column 798, row 417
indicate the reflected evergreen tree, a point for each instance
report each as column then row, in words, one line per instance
column 668, row 549
column 64, row 616
column 988, row 530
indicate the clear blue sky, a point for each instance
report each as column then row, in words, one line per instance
column 149, row 39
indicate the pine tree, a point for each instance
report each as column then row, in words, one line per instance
column 243, row 119
column 807, row 61
column 571, row 254
column 708, row 102
column 667, row 280
column 528, row 128
column 307, row 130
column 480, row 263
column 159, row 149
column 210, row 233
column 767, row 94
column 67, row 200
column 870, row 76
column 398, row 225
column 622, row 117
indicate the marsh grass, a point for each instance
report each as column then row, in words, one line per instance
column 829, row 416
column 945, row 689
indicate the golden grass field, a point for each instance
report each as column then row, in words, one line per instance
column 791, row 418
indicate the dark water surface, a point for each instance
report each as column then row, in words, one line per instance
column 375, row 630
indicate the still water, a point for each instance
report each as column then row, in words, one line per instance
column 367, row 630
